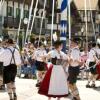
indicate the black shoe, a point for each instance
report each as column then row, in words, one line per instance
column 74, row 98
column 88, row 86
column 26, row 76
column 93, row 86
column 2, row 87
column 15, row 96
column 38, row 84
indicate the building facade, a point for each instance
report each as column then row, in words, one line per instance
column 93, row 18
column 10, row 16
column 11, row 10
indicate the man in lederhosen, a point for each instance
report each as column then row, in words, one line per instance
column 2, row 87
column 74, row 66
column 40, row 63
column 93, row 62
column 10, row 58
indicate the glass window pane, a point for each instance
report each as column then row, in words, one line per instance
column 17, row 12
column 0, row 18
column 26, row 13
column 10, row 11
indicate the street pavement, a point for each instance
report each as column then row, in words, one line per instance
column 26, row 90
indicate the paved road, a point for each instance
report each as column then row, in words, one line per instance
column 26, row 90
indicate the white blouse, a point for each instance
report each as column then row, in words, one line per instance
column 39, row 53
column 61, row 55
column 6, row 55
column 75, row 55
column 92, row 53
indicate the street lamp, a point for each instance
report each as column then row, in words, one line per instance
column 45, row 42
column 82, row 31
column 98, row 40
column 25, row 20
column 55, row 36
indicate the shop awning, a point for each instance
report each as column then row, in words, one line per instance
column 80, row 4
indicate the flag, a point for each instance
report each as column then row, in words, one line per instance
column 63, row 29
column 63, row 23
column 64, row 5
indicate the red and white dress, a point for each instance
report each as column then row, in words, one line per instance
column 98, row 71
column 98, row 66
column 55, row 80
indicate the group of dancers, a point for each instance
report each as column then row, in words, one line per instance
column 60, row 78
column 57, row 79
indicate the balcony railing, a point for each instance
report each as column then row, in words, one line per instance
column 11, row 22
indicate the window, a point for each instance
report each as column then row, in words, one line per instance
column 17, row 12
column 43, row 24
column 49, row 19
column 10, row 11
column 82, row 14
column 89, row 16
column 38, row 23
column 55, row 21
column 0, row 18
column 94, row 16
column 26, row 13
column 97, row 28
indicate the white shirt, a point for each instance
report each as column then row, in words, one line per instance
column 61, row 55
column 6, row 55
column 1, row 49
column 98, row 51
column 84, row 56
column 39, row 53
column 75, row 55
column 92, row 53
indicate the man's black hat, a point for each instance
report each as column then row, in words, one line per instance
column 38, row 44
column 10, row 41
column 76, row 40
column 57, row 43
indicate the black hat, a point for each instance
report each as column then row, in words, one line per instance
column 10, row 41
column 57, row 43
column 93, row 44
column 75, row 40
column 39, row 43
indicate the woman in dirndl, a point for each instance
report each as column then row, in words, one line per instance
column 55, row 80
column 98, row 66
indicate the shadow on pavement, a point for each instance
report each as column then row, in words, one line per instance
column 2, row 90
column 97, row 88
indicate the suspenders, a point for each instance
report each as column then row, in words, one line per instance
column 12, row 58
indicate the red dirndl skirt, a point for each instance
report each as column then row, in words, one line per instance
column 98, row 71
column 44, row 88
